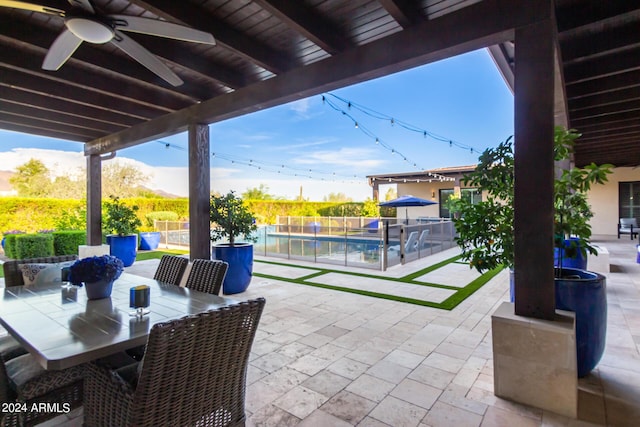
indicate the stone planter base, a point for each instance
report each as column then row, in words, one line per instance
column 534, row 361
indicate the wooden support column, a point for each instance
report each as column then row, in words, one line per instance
column 94, row 200
column 534, row 170
column 199, row 192
column 375, row 193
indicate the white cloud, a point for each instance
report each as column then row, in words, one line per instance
column 175, row 180
column 301, row 107
column 354, row 158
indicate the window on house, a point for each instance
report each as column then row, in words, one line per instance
column 444, row 196
column 470, row 194
column 629, row 199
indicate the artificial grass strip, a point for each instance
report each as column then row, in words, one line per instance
column 146, row 255
column 431, row 268
column 448, row 304
column 468, row 290
column 353, row 291
column 409, row 278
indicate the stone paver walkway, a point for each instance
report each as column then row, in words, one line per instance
column 328, row 358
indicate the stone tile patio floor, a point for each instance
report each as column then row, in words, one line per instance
column 329, row 358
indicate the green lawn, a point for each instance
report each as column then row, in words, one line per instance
column 145, row 255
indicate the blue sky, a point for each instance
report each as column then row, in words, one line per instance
column 463, row 99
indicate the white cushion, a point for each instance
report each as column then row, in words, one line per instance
column 39, row 273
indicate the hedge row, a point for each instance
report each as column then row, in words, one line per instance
column 36, row 245
column 35, row 214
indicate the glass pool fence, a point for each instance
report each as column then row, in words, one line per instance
column 375, row 243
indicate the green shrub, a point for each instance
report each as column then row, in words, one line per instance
column 33, row 245
column 161, row 216
column 10, row 245
column 66, row 242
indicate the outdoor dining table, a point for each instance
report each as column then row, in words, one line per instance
column 61, row 328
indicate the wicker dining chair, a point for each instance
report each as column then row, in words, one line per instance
column 32, row 385
column 193, row 373
column 11, row 349
column 207, row 275
column 171, row 269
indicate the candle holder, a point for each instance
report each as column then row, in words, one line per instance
column 140, row 299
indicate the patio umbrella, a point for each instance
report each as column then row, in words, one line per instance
column 406, row 201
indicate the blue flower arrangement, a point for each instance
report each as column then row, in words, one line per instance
column 96, row 268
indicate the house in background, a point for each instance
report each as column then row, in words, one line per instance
column 436, row 185
column 618, row 198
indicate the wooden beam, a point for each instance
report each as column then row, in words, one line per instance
column 622, row 81
column 38, row 123
column 308, row 23
column 199, row 192
column 36, row 100
column 605, row 110
column 48, row 133
column 246, row 47
column 604, row 66
column 59, row 117
column 124, row 90
column 67, row 91
column 606, row 98
column 534, row 171
column 480, row 25
column 406, row 12
column 503, row 63
column 94, row 200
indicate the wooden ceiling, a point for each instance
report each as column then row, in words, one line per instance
column 273, row 51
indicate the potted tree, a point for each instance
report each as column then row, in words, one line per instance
column 485, row 234
column 231, row 219
column 121, row 225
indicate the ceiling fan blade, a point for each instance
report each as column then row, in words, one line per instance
column 83, row 4
column 166, row 29
column 31, row 7
column 61, row 49
column 146, row 58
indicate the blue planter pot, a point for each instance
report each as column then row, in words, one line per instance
column 584, row 293
column 571, row 257
column 150, row 240
column 240, row 260
column 124, row 247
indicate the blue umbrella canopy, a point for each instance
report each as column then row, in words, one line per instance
column 407, row 200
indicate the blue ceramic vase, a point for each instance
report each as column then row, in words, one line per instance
column 98, row 290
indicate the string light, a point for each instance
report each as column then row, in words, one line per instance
column 280, row 168
column 366, row 131
column 393, row 120
column 277, row 167
column 378, row 141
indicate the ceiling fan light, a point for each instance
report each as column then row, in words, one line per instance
column 90, row 30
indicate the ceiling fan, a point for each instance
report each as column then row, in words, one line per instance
column 84, row 24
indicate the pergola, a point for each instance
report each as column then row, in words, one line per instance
column 568, row 62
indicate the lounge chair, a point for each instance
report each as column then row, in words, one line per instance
column 422, row 241
column 410, row 245
column 628, row 226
